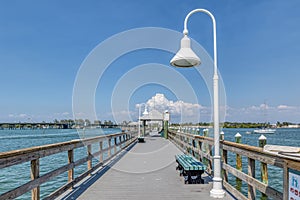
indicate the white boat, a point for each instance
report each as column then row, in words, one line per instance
column 265, row 131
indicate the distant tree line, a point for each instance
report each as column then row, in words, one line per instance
column 245, row 125
column 237, row 124
column 83, row 122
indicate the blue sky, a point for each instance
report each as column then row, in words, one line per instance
column 43, row 44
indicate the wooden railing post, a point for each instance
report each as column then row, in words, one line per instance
column 115, row 145
column 238, row 139
column 210, row 161
column 194, row 147
column 208, row 150
column 89, row 153
column 205, row 150
column 35, row 173
column 101, row 152
column 225, row 161
column 109, row 148
column 285, row 181
column 263, row 166
column 224, row 158
column 200, row 149
column 124, row 140
column 70, row 161
column 251, row 172
column 166, row 126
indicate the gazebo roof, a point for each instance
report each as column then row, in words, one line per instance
column 153, row 115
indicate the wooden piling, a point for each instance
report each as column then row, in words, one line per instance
column 221, row 136
column 238, row 139
column 262, row 141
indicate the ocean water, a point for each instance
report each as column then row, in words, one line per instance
column 15, row 176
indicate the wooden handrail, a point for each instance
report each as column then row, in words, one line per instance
column 182, row 140
column 33, row 155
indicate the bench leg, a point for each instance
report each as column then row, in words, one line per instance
column 189, row 177
column 185, row 177
column 195, row 177
column 200, row 176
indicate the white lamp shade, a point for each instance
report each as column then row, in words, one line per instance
column 185, row 57
column 145, row 111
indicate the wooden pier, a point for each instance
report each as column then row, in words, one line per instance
column 125, row 169
column 147, row 171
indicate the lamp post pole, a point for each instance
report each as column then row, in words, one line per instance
column 187, row 58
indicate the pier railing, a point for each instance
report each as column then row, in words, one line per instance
column 201, row 148
column 114, row 144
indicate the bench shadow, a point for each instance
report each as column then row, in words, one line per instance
column 82, row 187
column 207, row 178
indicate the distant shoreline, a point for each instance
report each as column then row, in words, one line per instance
column 74, row 124
column 44, row 125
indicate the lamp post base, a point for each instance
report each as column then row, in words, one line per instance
column 217, row 190
column 217, row 193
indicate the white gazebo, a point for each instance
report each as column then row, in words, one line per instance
column 153, row 115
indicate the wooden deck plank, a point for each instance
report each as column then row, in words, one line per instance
column 147, row 171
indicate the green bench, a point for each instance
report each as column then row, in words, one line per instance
column 141, row 139
column 190, row 168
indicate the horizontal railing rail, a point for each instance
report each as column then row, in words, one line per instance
column 201, row 148
column 34, row 154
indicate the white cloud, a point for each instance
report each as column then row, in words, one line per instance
column 285, row 107
column 263, row 113
column 65, row 113
column 20, row 117
column 23, row 115
column 179, row 110
column 122, row 115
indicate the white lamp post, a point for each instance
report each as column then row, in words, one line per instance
column 186, row 57
column 144, row 113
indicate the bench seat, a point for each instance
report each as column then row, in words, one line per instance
column 190, row 168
